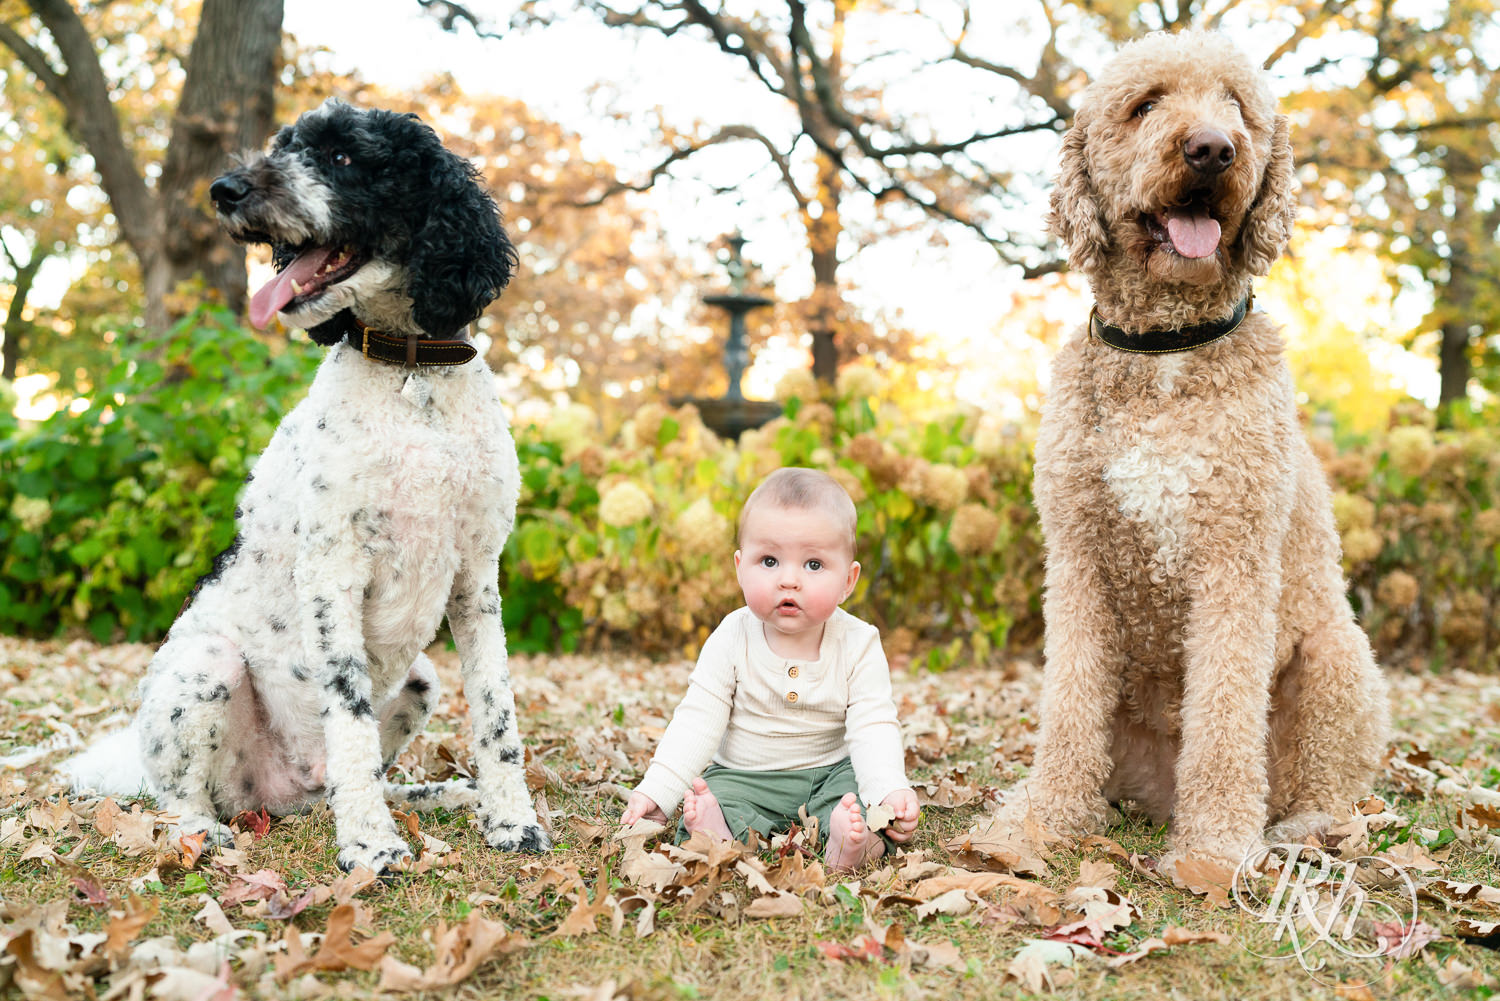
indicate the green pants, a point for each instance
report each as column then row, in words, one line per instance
column 768, row 801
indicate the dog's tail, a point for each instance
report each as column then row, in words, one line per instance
column 113, row 765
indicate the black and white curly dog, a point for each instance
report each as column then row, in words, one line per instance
column 295, row 671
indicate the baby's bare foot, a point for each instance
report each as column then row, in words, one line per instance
column 700, row 812
column 850, row 845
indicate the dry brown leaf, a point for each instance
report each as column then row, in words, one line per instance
column 262, row 884
column 191, row 846
column 775, row 905
column 134, row 833
column 1108, row 846
column 1093, row 872
column 583, row 918
column 1480, row 815
column 1204, row 878
column 458, row 951
column 1413, row 856
column 954, row 902
column 1463, row 893
column 998, row 851
column 1043, row 965
column 213, row 917
column 34, row 978
column 1454, row 975
column 350, row 885
column 1481, row 932
column 125, row 926
column 879, row 817
column 916, row 865
column 337, row 950
column 978, row 883
column 1173, row 936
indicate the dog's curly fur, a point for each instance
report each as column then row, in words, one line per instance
column 1202, row 660
column 295, row 671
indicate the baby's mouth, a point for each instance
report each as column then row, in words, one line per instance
column 787, row 605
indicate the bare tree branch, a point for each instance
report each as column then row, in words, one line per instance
column 448, row 14
column 729, row 133
column 90, row 117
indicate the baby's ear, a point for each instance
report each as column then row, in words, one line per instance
column 853, row 579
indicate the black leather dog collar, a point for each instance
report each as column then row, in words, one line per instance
column 408, row 351
column 1161, row 342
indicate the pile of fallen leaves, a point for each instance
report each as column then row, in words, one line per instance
column 97, row 899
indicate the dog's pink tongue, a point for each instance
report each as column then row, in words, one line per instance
column 1194, row 234
column 277, row 292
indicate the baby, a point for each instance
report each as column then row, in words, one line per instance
column 791, row 696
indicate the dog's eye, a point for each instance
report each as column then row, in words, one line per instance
column 340, row 159
column 1144, row 108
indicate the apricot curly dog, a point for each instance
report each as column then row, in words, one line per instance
column 1202, row 660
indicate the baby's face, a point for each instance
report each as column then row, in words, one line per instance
column 794, row 568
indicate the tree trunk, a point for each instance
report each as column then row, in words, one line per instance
column 228, row 105
column 823, row 239
column 15, row 326
column 1455, row 298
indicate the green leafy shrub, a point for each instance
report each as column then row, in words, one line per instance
column 108, row 516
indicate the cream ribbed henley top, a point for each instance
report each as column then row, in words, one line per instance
column 747, row 707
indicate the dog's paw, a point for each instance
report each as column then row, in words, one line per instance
column 1298, row 827
column 1033, row 815
column 378, row 858
column 528, row 838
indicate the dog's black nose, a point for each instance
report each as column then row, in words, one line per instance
column 1208, row 151
column 228, row 190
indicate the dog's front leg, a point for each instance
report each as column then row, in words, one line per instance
column 1229, row 646
column 332, row 587
column 1080, row 690
column 505, row 811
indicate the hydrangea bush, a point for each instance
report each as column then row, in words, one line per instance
column 625, row 539
column 1417, row 512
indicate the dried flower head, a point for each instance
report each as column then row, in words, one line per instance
column 1487, row 526
column 943, row 486
column 1351, row 511
column 974, row 530
column 1410, row 449
column 798, row 384
column 573, row 426
column 702, row 530
column 1361, row 545
column 1398, row 590
column 623, row 504
column 859, row 382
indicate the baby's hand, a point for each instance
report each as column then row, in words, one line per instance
column 640, row 806
column 904, row 803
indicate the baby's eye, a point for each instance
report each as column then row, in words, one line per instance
column 814, row 565
column 769, row 562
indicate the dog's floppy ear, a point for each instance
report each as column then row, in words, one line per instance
column 1074, row 217
column 461, row 256
column 1268, row 224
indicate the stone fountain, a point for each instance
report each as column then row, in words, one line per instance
column 731, row 415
